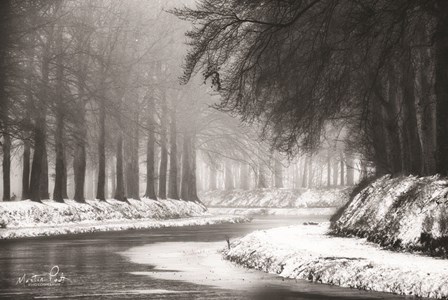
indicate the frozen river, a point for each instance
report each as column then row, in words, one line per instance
column 167, row 263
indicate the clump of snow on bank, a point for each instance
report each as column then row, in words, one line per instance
column 306, row 252
column 28, row 219
column 277, row 198
column 406, row 213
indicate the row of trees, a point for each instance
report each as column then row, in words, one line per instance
column 323, row 169
column 91, row 87
column 90, row 100
column 305, row 69
column 86, row 83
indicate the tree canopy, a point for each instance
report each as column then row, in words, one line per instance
column 298, row 66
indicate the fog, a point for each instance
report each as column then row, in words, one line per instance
column 93, row 79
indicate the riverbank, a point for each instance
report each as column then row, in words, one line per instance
column 277, row 198
column 252, row 212
column 23, row 219
column 307, row 252
column 401, row 213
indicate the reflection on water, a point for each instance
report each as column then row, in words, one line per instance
column 96, row 270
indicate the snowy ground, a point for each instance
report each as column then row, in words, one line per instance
column 277, row 198
column 22, row 219
column 409, row 213
column 306, row 252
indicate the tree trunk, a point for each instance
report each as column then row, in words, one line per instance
column 379, row 145
column 310, row 172
column 58, row 192
column 59, row 176
column 64, row 178
column 112, row 178
column 278, row 171
column 245, row 176
column 163, row 149
column 79, row 160
column 335, row 172
column 4, row 130
column 427, row 108
column 150, row 176
column 120, row 192
column 228, row 176
column 410, row 125
column 305, row 172
column 135, row 162
column 172, row 190
column 106, row 184
column 39, row 168
column 6, row 165
column 26, row 143
column 101, row 151
column 298, row 172
column 328, row 169
column 39, row 152
column 350, row 170
column 188, row 186
column 5, row 8
column 131, row 152
column 79, row 168
column 342, row 170
column 262, row 180
column 26, row 170
column 44, row 192
column 441, row 87
column 212, row 183
column 392, row 128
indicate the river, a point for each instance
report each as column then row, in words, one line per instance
column 166, row 263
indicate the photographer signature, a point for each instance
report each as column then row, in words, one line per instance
column 52, row 278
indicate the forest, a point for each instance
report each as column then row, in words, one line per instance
column 92, row 108
column 98, row 99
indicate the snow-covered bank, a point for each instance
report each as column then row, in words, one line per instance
column 300, row 212
column 277, row 198
column 306, row 252
column 89, row 227
column 409, row 213
column 22, row 219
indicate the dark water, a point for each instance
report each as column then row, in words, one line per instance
column 94, row 269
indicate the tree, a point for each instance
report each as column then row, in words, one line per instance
column 172, row 188
column 39, row 168
column 150, row 184
column 278, row 171
column 163, row 147
column 5, row 10
column 58, row 193
column 188, row 187
column 228, row 175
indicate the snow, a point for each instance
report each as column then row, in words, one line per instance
column 277, row 198
column 197, row 262
column 300, row 212
column 408, row 213
column 307, row 252
column 22, row 219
